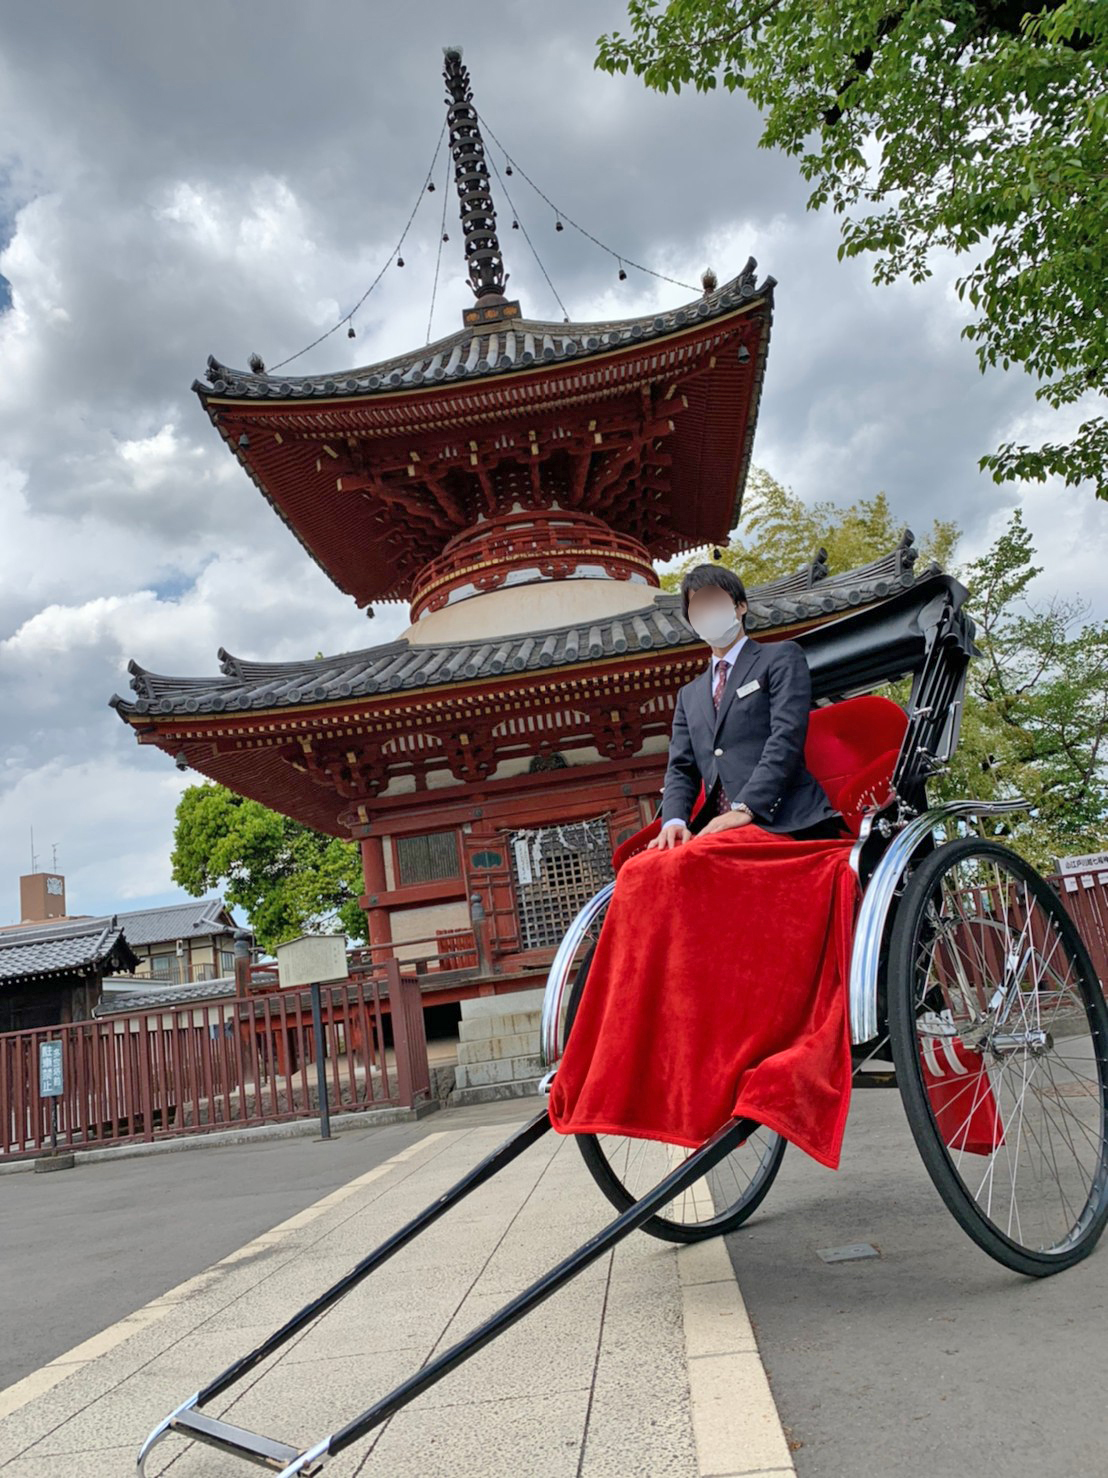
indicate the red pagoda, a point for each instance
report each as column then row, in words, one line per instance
column 515, row 483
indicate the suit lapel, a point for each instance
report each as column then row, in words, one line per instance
column 743, row 663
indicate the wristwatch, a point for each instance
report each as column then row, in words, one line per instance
column 742, row 806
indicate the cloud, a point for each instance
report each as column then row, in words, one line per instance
column 172, row 188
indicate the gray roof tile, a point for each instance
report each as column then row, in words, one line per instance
column 114, row 1002
column 59, row 948
column 398, row 665
column 471, row 352
column 195, row 919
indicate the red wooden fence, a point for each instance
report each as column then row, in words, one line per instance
column 1087, row 904
column 159, row 1073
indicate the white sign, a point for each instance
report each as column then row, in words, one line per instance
column 312, row 958
column 1088, row 863
column 50, row 1070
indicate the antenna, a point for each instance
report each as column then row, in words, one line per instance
column 53, row 856
column 34, row 862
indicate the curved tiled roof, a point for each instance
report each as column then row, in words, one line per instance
column 401, row 665
column 196, row 919
column 512, row 344
column 49, row 949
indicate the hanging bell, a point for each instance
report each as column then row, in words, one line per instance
column 507, row 169
column 400, row 261
column 446, row 235
column 557, row 225
column 515, row 225
column 430, row 187
column 717, row 553
column 622, row 275
column 350, row 334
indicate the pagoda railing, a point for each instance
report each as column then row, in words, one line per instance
column 551, row 542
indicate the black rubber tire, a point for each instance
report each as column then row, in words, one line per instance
column 903, row 946
column 662, row 1227
column 666, row 1230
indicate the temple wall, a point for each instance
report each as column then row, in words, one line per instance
column 422, row 922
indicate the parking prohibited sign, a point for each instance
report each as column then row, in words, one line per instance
column 50, row 1070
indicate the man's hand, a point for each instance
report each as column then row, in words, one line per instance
column 669, row 836
column 727, row 822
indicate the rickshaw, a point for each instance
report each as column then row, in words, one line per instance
column 970, row 991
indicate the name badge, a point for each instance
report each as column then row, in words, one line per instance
column 746, row 688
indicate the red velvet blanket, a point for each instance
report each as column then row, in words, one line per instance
column 718, row 989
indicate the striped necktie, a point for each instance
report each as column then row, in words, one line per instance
column 721, row 681
column 722, row 803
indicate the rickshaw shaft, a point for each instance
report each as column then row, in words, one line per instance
column 693, row 1168
column 501, row 1156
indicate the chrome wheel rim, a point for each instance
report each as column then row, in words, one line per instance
column 1011, row 1054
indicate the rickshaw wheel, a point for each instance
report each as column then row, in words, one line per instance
column 626, row 1168
column 999, row 1033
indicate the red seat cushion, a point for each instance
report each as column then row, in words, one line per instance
column 848, row 749
column 870, row 787
column 851, row 749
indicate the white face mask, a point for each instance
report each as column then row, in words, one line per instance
column 717, row 626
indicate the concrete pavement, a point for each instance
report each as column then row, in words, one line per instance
column 930, row 1357
column 85, row 1247
column 646, row 1364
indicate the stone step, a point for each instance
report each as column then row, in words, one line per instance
column 500, row 1070
column 511, row 1001
column 485, row 1049
column 482, row 1027
column 494, row 1092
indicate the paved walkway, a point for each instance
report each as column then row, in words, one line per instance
column 930, row 1357
column 646, row 1364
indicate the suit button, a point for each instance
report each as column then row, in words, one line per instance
column 717, row 752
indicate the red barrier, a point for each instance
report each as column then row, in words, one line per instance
column 226, row 1064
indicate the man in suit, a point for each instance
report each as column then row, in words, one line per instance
column 740, row 727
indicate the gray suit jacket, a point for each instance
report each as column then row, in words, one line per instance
column 754, row 745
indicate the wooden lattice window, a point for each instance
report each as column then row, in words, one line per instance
column 556, row 870
column 428, row 858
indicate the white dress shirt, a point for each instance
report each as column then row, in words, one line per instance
column 729, row 657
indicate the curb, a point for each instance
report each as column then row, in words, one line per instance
column 736, row 1425
column 221, row 1138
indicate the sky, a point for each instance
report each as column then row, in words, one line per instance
column 185, row 180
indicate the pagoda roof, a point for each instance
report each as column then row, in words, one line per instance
column 648, row 423
column 402, row 665
column 503, row 346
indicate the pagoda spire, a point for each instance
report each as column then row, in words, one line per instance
column 483, row 256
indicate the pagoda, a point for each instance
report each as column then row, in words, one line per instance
column 515, row 483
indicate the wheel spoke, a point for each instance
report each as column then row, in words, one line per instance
column 1009, row 1034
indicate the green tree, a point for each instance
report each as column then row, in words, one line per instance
column 288, row 878
column 1035, row 722
column 974, row 127
column 780, row 534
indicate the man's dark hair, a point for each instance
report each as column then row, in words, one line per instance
column 701, row 575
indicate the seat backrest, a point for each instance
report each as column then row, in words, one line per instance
column 852, row 747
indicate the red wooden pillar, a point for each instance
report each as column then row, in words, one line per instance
column 373, row 871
